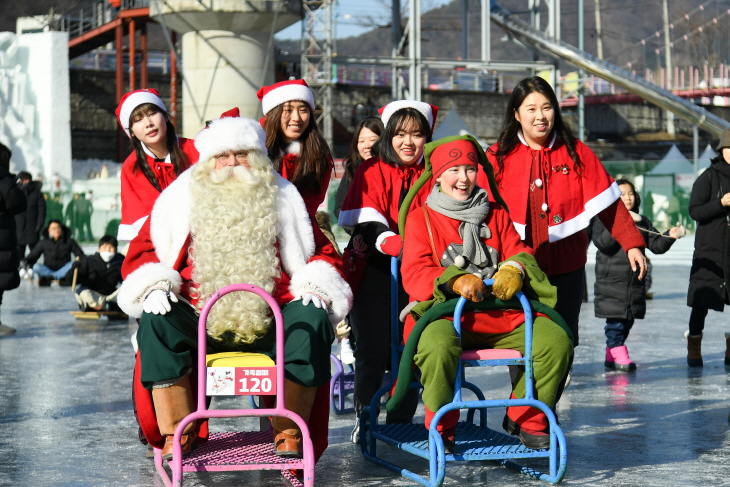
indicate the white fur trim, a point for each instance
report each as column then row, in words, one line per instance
column 350, row 218
column 394, row 106
column 170, row 225
column 286, row 93
column 379, row 240
column 126, row 233
column 327, row 278
column 524, row 142
column 520, row 229
column 138, row 282
column 294, row 148
column 230, row 133
column 296, row 237
column 592, row 208
column 133, row 101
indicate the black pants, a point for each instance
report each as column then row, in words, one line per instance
column 21, row 249
column 697, row 321
column 570, row 298
column 370, row 321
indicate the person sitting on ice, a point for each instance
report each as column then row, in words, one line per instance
column 232, row 219
column 56, row 248
column 98, row 277
column 461, row 236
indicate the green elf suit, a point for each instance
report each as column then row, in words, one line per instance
column 432, row 342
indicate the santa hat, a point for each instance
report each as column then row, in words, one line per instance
column 454, row 153
column 132, row 100
column 427, row 110
column 231, row 132
column 284, row 91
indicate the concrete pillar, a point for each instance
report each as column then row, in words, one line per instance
column 222, row 70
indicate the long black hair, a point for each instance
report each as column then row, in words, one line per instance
column 314, row 152
column 177, row 156
column 508, row 136
column 401, row 119
column 353, row 159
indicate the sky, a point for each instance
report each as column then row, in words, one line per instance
column 349, row 11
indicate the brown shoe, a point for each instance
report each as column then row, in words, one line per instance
column 288, row 443
column 186, row 441
column 694, row 350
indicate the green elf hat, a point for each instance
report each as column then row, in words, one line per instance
column 427, row 174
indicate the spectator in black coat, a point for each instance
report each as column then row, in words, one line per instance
column 56, row 248
column 99, row 276
column 30, row 223
column 12, row 202
column 709, row 206
column 620, row 296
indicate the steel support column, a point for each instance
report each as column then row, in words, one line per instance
column 143, row 81
column 132, row 56
column 119, row 40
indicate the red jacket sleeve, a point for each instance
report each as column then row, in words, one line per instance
column 419, row 271
column 510, row 240
column 618, row 222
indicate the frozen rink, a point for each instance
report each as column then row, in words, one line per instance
column 66, row 414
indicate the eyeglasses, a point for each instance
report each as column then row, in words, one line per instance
column 240, row 157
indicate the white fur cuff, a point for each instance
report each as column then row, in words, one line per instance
column 325, row 277
column 136, row 285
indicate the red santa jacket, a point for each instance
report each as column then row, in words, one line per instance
column 138, row 195
column 550, row 203
column 161, row 251
column 289, row 166
column 375, row 191
column 420, row 270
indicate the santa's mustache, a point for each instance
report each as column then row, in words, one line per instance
column 241, row 173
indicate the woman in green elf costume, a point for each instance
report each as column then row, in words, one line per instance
column 462, row 236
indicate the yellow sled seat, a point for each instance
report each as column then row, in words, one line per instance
column 238, row 359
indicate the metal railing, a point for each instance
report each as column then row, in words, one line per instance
column 94, row 15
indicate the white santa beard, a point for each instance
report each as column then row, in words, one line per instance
column 234, row 240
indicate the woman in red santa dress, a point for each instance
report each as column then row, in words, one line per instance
column 553, row 185
column 232, row 219
column 296, row 147
column 462, row 236
column 159, row 157
column 370, row 210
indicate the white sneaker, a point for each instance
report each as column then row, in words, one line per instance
column 355, row 435
column 346, row 354
column 22, row 273
column 29, row 273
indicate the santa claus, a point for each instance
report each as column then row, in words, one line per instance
column 232, row 219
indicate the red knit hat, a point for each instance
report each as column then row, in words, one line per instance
column 132, row 100
column 452, row 154
column 427, row 110
column 284, row 91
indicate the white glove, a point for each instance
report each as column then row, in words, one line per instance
column 314, row 299
column 342, row 330
column 157, row 302
column 636, row 217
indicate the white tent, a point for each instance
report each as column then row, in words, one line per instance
column 705, row 158
column 454, row 125
column 673, row 162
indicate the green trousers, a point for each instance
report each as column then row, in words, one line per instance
column 168, row 344
column 439, row 351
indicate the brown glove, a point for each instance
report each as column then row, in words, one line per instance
column 469, row 286
column 507, row 282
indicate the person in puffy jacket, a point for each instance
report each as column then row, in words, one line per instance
column 98, row 277
column 56, row 248
column 12, row 202
column 30, row 222
column 620, row 295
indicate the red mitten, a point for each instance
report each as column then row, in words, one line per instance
column 391, row 245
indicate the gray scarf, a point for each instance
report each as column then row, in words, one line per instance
column 471, row 213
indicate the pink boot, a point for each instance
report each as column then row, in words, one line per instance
column 618, row 358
